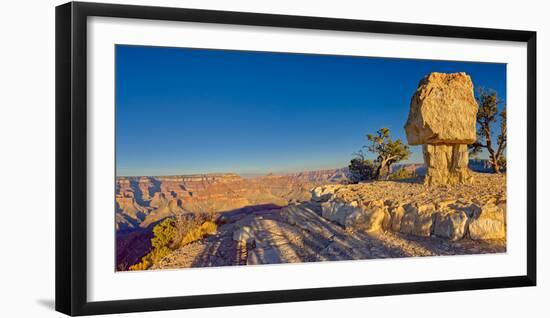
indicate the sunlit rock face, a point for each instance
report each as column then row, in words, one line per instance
column 442, row 118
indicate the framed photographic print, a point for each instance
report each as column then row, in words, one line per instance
column 209, row 158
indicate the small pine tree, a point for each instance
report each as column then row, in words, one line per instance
column 387, row 150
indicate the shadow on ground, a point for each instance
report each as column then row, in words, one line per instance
column 47, row 303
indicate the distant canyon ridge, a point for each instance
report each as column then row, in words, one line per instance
column 143, row 201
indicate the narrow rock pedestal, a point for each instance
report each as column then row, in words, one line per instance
column 446, row 164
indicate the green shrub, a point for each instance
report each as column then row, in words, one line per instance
column 171, row 234
column 165, row 234
column 402, row 173
column 163, row 242
column 361, row 169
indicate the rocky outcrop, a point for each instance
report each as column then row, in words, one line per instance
column 476, row 211
column 442, row 118
column 300, row 233
column 488, row 222
column 451, row 225
column 324, row 193
column 368, row 216
column 418, row 219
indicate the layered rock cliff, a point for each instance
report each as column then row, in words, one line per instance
column 142, row 201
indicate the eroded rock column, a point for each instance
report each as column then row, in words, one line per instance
column 446, row 164
column 442, row 118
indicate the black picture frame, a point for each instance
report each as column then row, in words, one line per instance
column 71, row 157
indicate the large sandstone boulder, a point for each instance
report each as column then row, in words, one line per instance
column 368, row 217
column 451, row 225
column 442, row 117
column 338, row 212
column 418, row 220
column 324, row 193
column 489, row 223
column 396, row 214
column 443, row 111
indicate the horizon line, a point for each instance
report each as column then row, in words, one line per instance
column 242, row 174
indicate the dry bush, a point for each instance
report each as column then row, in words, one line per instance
column 188, row 222
column 173, row 233
column 195, row 234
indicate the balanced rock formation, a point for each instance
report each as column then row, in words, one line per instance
column 442, row 118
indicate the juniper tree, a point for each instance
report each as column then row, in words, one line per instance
column 487, row 115
column 361, row 169
column 387, row 150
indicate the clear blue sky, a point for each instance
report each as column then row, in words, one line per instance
column 183, row 111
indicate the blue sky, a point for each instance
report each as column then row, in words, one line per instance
column 184, row 111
